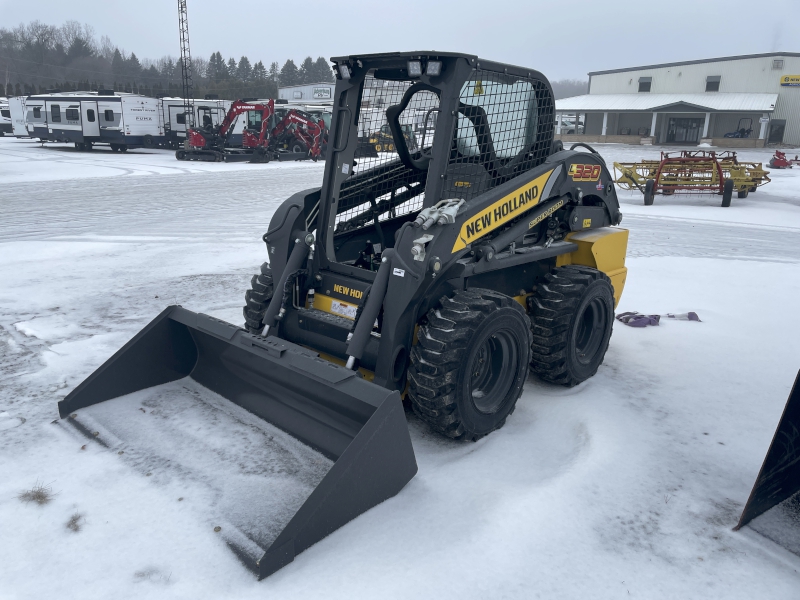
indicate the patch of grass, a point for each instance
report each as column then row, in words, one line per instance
column 39, row 493
column 74, row 523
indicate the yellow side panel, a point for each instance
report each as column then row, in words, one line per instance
column 603, row 249
column 325, row 303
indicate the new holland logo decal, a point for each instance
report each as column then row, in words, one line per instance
column 502, row 211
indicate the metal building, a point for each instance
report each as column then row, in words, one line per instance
column 734, row 101
column 309, row 93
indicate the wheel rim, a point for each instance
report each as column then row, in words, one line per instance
column 591, row 327
column 492, row 371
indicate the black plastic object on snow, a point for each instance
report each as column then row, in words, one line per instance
column 357, row 427
column 779, row 478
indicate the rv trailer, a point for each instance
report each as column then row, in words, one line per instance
column 16, row 107
column 5, row 117
column 86, row 118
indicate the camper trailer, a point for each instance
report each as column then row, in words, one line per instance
column 206, row 112
column 16, row 107
column 87, row 118
column 5, row 117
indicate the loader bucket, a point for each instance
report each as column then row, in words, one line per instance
column 778, row 482
column 326, row 446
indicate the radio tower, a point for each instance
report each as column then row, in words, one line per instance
column 186, row 64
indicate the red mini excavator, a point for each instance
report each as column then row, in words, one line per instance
column 211, row 143
column 297, row 136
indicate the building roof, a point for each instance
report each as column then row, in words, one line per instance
column 288, row 87
column 694, row 62
column 647, row 102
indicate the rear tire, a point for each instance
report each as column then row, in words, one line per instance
column 573, row 317
column 649, row 193
column 180, row 154
column 467, row 372
column 297, row 147
column 257, row 300
column 727, row 193
column 742, row 193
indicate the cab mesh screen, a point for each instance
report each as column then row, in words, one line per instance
column 504, row 128
column 380, row 183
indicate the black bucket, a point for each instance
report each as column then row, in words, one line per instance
column 348, row 443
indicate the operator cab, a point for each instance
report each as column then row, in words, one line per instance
column 495, row 136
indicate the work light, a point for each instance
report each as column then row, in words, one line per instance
column 414, row 68
column 344, row 71
column 434, row 68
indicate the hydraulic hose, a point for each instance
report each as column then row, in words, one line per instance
column 295, row 262
column 372, row 307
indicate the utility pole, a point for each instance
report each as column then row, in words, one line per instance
column 186, row 64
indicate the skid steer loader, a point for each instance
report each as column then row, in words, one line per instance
column 435, row 274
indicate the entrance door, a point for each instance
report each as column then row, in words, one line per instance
column 91, row 119
column 684, row 130
column 776, row 129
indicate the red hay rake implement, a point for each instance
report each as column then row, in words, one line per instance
column 692, row 172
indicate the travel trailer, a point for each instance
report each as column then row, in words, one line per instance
column 5, row 117
column 86, row 118
column 16, row 107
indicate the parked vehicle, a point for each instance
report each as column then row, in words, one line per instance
column 206, row 112
column 87, row 118
column 5, row 117
column 16, row 107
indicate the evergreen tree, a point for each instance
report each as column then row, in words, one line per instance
column 290, row 74
column 244, row 71
column 232, row 67
column 216, row 67
column 322, row 71
column 168, row 70
column 118, row 64
column 307, row 71
column 259, row 72
column 274, row 72
column 133, row 66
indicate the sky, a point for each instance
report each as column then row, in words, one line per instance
column 563, row 40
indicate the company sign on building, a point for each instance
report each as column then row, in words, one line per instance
column 790, row 81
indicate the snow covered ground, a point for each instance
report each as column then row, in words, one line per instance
column 626, row 486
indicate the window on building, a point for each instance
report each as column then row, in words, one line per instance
column 72, row 114
column 37, row 112
column 180, row 118
column 712, row 83
column 108, row 115
column 55, row 112
column 645, row 83
column 6, row 113
column 297, row 94
column 777, row 63
column 90, row 115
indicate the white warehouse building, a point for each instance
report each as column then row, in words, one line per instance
column 734, row 101
column 310, row 93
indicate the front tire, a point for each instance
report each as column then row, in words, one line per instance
column 257, row 300
column 467, row 372
column 573, row 316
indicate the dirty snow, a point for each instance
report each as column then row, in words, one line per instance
column 626, row 486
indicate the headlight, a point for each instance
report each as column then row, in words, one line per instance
column 414, row 68
column 434, row 68
column 373, row 140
